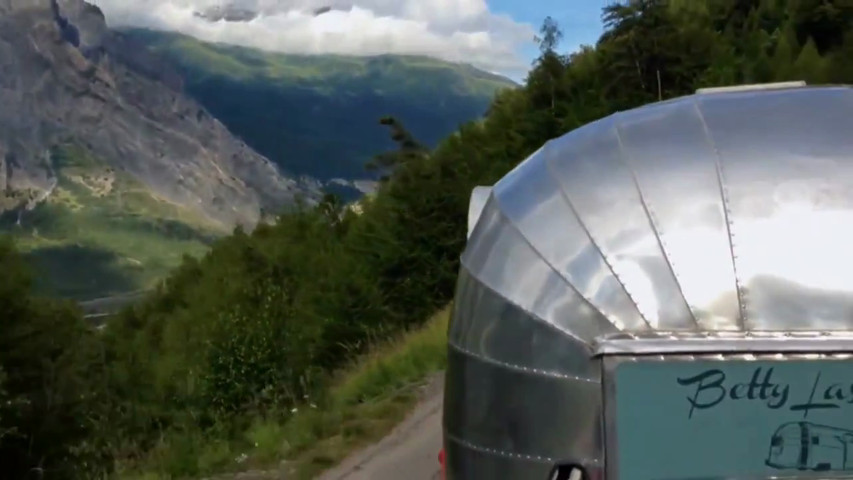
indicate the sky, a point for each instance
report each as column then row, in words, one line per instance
column 579, row 20
column 495, row 35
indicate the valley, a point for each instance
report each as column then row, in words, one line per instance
column 121, row 151
column 317, row 115
column 100, row 232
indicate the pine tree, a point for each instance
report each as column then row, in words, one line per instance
column 408, row 149
column 809, row 65
column 545, row 79
column 784, row 54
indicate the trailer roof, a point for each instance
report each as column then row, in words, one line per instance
column 723, row 211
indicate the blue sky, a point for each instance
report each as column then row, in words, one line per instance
column 580, row 20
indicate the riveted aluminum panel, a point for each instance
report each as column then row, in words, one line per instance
column 518, row 413
column 722, row 220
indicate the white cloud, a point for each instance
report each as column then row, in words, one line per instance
column 455, row 30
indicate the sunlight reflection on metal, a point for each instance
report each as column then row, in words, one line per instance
column 725, row 216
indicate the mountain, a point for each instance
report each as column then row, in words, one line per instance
column 108, row 171
column 121, row 151
column 317, row 115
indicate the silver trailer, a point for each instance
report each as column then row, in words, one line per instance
column 665, row 293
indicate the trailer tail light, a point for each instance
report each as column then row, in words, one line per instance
column 441, row 461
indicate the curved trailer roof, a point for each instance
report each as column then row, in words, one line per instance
column 722, row 211
column 725, row 214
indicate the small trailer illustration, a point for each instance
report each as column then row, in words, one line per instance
column 809, row 446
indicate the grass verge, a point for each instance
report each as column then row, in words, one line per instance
column 363, row 405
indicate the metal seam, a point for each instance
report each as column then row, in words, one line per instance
column 656, row 229
column 736, row 355
column 496, row 452
column 522, row 369
column 603, row 311
column 724, row 196
column 594, row 242
column 533, row 315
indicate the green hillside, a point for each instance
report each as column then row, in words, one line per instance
column 317, row 115
column 106, row 224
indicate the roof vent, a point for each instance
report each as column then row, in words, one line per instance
column 753, row 86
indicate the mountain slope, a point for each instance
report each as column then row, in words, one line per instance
column 101, row 231
column 318, row 115
column 65, row 78
column 145, row 161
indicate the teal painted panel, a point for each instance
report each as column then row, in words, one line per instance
column 713, row 419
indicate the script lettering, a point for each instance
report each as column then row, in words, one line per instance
column 810, row 404
column 709, row 379
column 710, row 389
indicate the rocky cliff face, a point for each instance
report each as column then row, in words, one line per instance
column 65, row 77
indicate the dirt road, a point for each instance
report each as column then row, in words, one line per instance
column 409, row 452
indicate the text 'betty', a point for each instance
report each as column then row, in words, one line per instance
column 711, row 388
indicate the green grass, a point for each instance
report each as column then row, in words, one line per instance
column 363, row 405
column 101, row 232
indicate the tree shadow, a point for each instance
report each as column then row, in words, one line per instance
column 78, row 272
